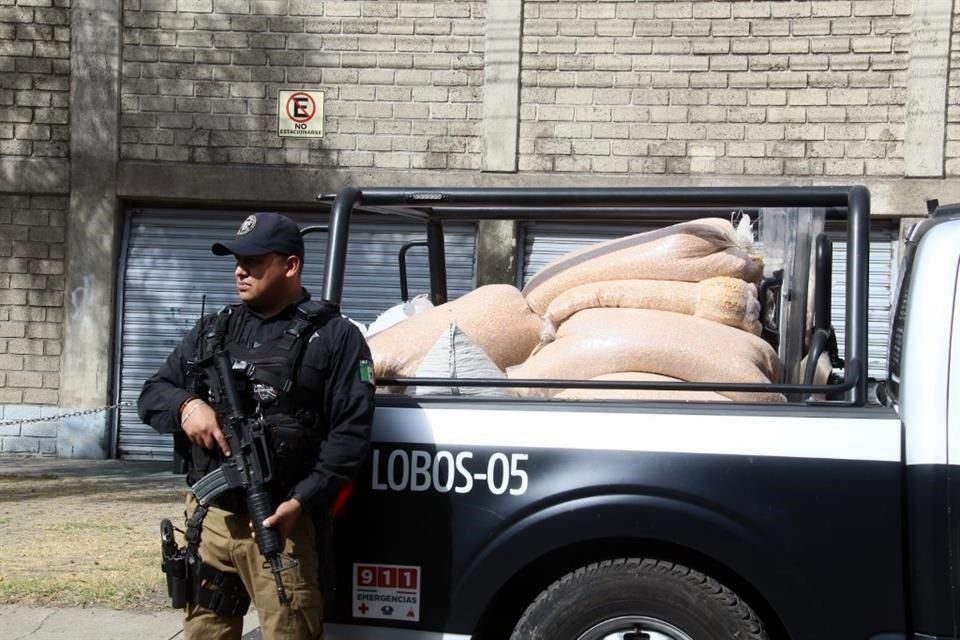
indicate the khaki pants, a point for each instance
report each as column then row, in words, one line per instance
column 227, row 544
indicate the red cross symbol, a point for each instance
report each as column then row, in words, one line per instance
column 364, row 608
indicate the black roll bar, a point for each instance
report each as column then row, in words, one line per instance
column 404, row 289
column 627, row 385
column 714, row 197
column 339, row 231
column 529, row 203
column 823, row 283
column 438, row 262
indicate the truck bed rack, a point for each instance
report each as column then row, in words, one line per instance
column 433, row 206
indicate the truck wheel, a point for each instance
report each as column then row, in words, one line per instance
column 638, row 599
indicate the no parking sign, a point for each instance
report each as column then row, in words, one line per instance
column 300, row 114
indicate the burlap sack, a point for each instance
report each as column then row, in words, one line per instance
column 628, row 394
column 595, row 342
column 725, row 300
column 689, row 251
column 454, row 355
column 495, row 317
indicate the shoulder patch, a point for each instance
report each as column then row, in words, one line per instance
column 365, row 369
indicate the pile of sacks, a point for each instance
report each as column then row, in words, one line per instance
column 478, row 335
column 678, row 303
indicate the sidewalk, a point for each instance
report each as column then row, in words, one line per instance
column 25, row 623
column 19, row 622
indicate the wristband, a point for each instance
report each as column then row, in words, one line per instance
column 184, row 419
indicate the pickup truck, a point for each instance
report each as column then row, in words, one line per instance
column 830, row 515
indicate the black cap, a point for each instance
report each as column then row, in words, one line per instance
column 265, row 232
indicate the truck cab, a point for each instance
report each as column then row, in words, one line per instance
column 828, row 515
column 922, row 385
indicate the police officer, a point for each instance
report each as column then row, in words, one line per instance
column 313, row 386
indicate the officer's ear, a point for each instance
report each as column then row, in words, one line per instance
column 293, row 266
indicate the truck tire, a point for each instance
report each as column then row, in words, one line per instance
column 638, row 599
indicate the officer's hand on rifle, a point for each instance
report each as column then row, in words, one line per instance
column 199, row 422
column 284, row 518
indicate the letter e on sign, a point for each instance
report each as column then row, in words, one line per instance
column 300, row 113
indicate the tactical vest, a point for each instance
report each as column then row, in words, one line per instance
column 267, row 376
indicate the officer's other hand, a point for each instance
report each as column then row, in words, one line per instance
column 199, row 422
column 284, row 517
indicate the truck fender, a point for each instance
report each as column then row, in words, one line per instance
column 659, row 519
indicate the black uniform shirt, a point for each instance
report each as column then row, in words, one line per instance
column 331, row 367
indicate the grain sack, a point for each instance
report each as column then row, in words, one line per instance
column 725, row 300
column 399, row 313
column 496, row 317
column 454, row 355
column 689, row 251
column 595, row 342
column 638, row 394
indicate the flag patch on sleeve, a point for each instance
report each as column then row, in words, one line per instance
column 366, row 372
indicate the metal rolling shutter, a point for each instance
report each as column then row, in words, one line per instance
column 168, row 267
column 543, row 242
column 883, row 276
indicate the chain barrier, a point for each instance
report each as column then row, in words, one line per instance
column 72, row 414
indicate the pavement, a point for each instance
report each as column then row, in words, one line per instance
column 28, row 623
column 34, row 623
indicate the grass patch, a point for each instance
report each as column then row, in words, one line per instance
column 72, row 591
column 68, row 542
column 88, row 526
column 25, row 477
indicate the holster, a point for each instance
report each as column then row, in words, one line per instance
column 191, row 581
column 174, row 565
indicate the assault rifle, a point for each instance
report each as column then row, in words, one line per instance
column 247, row 467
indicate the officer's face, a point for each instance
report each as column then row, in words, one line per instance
column 263, row 280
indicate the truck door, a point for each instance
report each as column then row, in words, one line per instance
column 924, row 381
column 953, row 437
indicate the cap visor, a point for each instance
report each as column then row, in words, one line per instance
column 238, row 248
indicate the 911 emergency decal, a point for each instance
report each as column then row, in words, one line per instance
column 446, row 471
column 386, row 591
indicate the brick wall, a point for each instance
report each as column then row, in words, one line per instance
column 754, row 88
column 31, row 318
column 34, row 78
column 31, row 297
column 402, row 81
column 952, row 160
column 34, row 124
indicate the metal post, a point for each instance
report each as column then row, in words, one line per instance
column 858, row 250
column 438, row 262
column 404, row 289
column 824, row 282
column 339, row 230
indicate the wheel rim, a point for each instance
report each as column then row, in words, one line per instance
column 634, row 628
